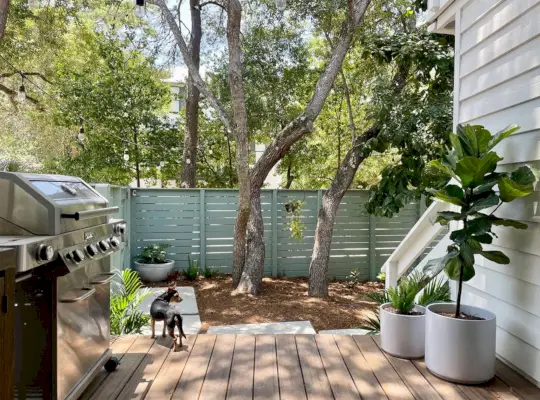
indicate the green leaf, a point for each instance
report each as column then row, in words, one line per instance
column 443, row 168
column 456, row 143
column 511, row 190
column 452, row 268
column 483, row 238
column 443, row 217
column 478, row 226
column 499, row 136
column 496, row 256
column 452, row 194
column 486, row 202
column 523, row 176
column 507, row 222
column 468, row 140
column 466, row 254
column 487, row 184
column 472, row 170
column 458, row 235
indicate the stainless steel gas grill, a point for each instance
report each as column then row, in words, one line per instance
column 60, row 229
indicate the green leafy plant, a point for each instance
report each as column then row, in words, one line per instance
column 354, row 278
column 433, row 291
column 154, row 254
column 209, row 272
column 382, row 277
column 296, row 226
column 192, row 271
column 471, row 163
column 126, row 297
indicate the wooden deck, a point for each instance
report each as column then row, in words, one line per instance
column 282, row 366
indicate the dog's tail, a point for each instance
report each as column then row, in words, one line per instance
column 178, row 322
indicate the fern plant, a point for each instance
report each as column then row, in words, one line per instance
column 126, row 297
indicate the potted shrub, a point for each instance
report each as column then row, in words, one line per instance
column 402, row 321
column 460, row 339
column 152, row 263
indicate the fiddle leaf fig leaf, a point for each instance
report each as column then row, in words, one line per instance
column 507, row 222
column 486, row 202
column 443, row 168
column 466, row 254
column 511, row 190
column 499, row 136
column 444, row 217
column 496, row 256
column 456, row 143
column 452, row 194
column 523, row 175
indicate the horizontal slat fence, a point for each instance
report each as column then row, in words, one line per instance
column 199, row 223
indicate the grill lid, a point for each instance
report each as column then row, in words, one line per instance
column 35, row 204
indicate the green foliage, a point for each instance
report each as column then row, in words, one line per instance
column 382, row 277
column 192, row 271
column 472, row 164
column 372, row 325
column 210, row 273
column 438, row 290
column 294, row 215
column 402, row 297
column 154, row 254
column 354, row 278
column 126, row 297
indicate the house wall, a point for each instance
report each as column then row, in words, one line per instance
column 497, row 84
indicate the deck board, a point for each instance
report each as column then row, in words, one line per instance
column 340, row 380
column 265, row 380
column 367, row 384
column 284, row 367
column 217, row 378
column 315, row 379
column 241, row 379
column 190, row 383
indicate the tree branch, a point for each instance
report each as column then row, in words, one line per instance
column 195, row 75
column 12, row 93
column 38, row 74
column 214, row 3
column 303, row 124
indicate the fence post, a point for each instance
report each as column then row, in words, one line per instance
column 202, row 225
column 372, row 247
column 274, row 233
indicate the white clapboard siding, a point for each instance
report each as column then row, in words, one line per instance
column 498, row 65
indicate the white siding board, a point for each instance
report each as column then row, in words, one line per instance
column 516, row 91
column 522, row 30
column 520, row 147
column 526, row 115
column 526, row 209
column 525, row 58
column 518, row 293
column 523, row 240
column 475, row 10
column 523, row 266
column 495, row 19
column 519, row 323
column 519, row 353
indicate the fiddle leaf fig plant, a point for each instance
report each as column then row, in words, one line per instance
column 474, row 188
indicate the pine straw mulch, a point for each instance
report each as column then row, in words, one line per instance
column 281, row 300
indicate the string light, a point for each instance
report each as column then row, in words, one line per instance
column 21, row 94
column 281, row 5
column 126, row 155
column 140, row 9
column 162, row 164
column 81, row 135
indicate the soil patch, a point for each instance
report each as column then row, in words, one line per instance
column 462, row 316
column 394, row 311
column 281, row 300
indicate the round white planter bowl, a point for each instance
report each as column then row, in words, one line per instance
column 403, row 335
column 154, row 272
column 458, row 350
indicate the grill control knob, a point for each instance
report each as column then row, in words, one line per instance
column 91, row 250
column 78, row 255
column 120, row 229
column 115, row 242
column 45, row 253
column 104, row 245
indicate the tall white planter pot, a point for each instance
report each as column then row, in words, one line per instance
column 154, row 272
column 403, row 335
column 458, row 350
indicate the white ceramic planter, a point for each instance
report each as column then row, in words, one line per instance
column 154, row 272
column 403, row 335
column 461, row 351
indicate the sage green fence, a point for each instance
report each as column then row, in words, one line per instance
column 199, row 223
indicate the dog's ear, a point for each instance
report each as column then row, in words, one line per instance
column 172, row 286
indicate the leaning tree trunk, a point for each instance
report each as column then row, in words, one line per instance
column 189, row 156
column 318, row 280
column 292, row 133
column 234, row 11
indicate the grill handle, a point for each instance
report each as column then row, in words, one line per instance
column 108, row 277
column 89, row 292
column 101, row 212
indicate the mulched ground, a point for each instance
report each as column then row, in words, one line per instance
column 281, row 300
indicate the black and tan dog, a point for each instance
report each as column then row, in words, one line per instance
column 162, row 310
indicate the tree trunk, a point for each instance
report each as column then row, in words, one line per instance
column 4, row 8
column 137, row 159
column 252, row 275
column 292, row 133
column 290, row 177
column 318, row 268
column 234, row 12
column 189, row 156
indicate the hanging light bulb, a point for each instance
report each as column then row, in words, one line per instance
column 281, row 5
column 162, row 164
column 21, row 94
column 140, row 9
column 81, row 135
column 126, row 155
